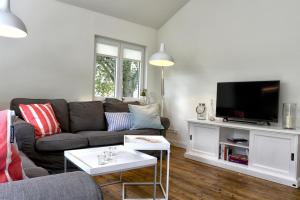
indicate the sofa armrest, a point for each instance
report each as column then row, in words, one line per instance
column 67, row 186
column 24, row 133
column 165, row 122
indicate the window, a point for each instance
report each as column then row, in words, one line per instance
column 119, row 69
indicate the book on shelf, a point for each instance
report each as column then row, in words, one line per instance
column 224, row 151
column 238, row 158
column 221, row 151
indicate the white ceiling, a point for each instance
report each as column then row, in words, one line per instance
column 153, row 13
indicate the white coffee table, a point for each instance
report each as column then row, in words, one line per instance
column 124, row 159
column 153, row 143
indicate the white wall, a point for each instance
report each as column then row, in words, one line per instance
column 232, row 40
column 56, row 60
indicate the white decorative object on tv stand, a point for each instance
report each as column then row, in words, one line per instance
column 273, row 151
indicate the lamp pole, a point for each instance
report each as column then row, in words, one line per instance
column 162, row 90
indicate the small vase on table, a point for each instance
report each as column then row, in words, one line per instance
column 289, row 115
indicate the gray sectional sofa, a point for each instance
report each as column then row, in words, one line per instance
column 40, row 185
column 83, row 125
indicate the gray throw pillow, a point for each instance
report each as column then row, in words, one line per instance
column 145, row 116
column 87, row 116
column 118, row 107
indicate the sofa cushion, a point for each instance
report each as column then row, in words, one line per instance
column 146, row 116
column 113, row 100
column 119, row 107
column 103, row 138
column 87, row 116
column 60, row 142
column 42, row 117
column 118, row 121
column 60, row 107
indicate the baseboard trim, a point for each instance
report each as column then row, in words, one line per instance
column 172, row 138
column 177, row 144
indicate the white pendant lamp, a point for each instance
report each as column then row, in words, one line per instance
column 162, row 59
column 10, row 25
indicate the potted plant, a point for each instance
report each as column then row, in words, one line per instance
column 143, row 96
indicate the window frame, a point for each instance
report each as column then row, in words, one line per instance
column 119, row 65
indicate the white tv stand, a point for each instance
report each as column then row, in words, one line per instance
column 273, row 151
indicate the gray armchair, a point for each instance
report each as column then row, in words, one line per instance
column 68, row 186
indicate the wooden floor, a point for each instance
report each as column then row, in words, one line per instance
column 194, row 180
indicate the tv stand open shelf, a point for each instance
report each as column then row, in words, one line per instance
column 235, row 145
column 273, row 152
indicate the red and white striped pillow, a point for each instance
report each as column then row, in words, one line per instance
column 10, row 161
column 42, row 117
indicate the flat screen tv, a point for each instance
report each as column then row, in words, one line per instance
column 248, row 101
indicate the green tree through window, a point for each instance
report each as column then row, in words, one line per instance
column 106, row 73
column 105, row 76
column 131, row 72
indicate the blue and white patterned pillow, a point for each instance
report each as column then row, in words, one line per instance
column 119, row 121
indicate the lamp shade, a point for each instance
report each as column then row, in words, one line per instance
column 10, row 25
column 161, row 58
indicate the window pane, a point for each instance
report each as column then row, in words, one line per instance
column 105, row 76
column 131, row 78
column 132, row 54
column 107, row 49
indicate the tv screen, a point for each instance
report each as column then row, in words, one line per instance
column 248, row 101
